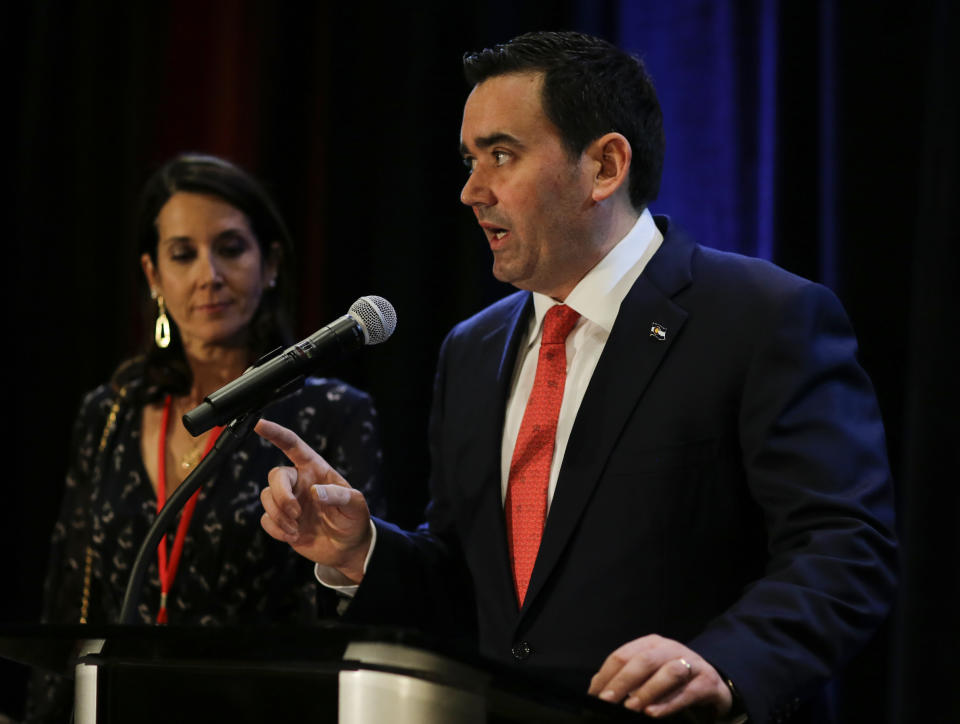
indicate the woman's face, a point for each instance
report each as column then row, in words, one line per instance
column 209, row 269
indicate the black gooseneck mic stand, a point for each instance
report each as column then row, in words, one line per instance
column 232, row 437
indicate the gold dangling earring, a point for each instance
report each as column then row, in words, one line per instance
column 161, row 332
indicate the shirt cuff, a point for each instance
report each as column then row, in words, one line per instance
column 334, row 580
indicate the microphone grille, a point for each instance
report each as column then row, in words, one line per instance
column 377, row 317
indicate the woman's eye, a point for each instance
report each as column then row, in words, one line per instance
column 232, row 244
column 233, row 249
column 182, row 254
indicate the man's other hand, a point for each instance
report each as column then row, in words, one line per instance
column 659, row 677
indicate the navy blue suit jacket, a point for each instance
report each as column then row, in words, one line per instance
column 726, row 486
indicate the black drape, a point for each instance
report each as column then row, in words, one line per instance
column 837, row 158
column 926, row 628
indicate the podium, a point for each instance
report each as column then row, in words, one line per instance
column 328, row 672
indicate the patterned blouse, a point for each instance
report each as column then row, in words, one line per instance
column 231, row 571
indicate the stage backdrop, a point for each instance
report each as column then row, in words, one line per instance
column 820, row 135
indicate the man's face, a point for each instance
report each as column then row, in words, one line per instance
column 532, row 200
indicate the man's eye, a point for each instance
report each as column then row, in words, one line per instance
column 470, row 163
column 500, row 157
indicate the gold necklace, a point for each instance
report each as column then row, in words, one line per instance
column 192, row 456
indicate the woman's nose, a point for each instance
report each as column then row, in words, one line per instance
column 210, row 271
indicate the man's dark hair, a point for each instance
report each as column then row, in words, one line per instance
column 590, row 88
column 166, row 370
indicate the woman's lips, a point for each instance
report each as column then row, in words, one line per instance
column 212, row 307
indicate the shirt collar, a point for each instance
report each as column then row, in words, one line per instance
column 597, row 297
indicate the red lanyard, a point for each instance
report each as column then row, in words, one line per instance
column 168, row 573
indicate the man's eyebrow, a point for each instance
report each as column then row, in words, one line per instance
column 491, row 140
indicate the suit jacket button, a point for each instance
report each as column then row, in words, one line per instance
column 521, row 651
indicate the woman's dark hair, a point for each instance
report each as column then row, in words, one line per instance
column 590, row 87
column 165, row 371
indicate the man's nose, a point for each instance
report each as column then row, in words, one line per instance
column 476, row 192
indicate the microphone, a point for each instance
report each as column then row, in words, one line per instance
column 371, row 320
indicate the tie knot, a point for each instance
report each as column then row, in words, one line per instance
column 557, row 324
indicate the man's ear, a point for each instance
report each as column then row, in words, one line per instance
column 611, row 154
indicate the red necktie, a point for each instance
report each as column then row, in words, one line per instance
column 526, row 504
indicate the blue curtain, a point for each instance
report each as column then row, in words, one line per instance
column 719, row 70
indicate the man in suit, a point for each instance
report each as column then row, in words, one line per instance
column 658, row 464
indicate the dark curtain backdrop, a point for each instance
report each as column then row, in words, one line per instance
column 820, row 135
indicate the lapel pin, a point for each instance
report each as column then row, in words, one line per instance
column 658, row 332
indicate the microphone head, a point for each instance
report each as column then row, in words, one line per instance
column 376, row 316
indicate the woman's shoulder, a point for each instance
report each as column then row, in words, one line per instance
column 99, row 400
column 321, row 400
column 100, row 412
column 106, row 399
column 332, row 390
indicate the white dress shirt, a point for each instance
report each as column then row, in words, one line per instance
column 597, row 297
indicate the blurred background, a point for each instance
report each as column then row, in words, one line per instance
column 821, row 135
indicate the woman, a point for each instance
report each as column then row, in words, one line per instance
column 216, row 257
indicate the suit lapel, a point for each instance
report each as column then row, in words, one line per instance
column 629, row 361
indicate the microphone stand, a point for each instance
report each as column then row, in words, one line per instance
column 230, row 439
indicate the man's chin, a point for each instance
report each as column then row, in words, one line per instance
column 501, row 274
column 512, row 280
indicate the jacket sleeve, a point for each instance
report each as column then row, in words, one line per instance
column 815, row 459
